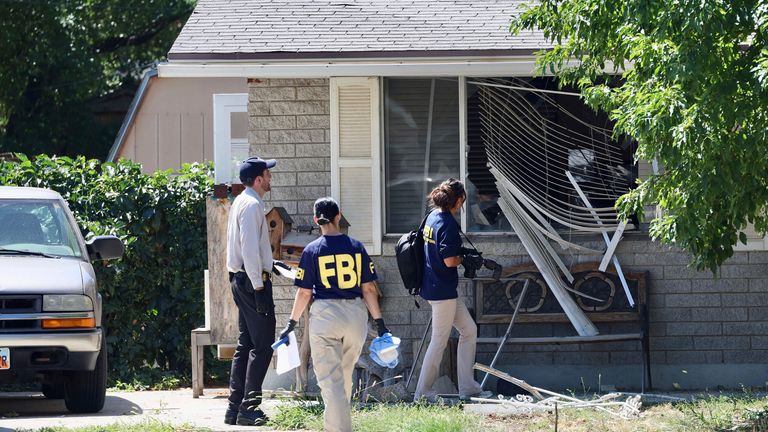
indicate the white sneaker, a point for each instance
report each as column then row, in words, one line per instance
column 483, row 394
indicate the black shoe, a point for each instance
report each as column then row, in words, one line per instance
column 252, row 418
column 230, row 417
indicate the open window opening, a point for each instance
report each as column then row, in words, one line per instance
column 534, row 133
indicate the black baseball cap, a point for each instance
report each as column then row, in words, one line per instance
column 325, row 210
column 254, row 167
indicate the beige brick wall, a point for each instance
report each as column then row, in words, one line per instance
column 289, row 120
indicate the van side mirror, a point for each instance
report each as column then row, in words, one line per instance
column 104, row 247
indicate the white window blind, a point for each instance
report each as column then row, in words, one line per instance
column 355, row 157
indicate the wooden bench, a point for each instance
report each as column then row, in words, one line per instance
column 501, row 302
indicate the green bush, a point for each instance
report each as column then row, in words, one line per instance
column 153, row 295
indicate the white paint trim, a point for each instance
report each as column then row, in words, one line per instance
column 378, row 221
column 334, row 102
column 463, row 142
column 520, row 66
column 223, row 106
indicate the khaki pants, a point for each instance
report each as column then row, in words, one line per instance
column 447, row 314
column 337, row 333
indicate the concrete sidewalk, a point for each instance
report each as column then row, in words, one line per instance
column 33, row 411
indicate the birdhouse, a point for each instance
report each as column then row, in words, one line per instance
column 288, row 241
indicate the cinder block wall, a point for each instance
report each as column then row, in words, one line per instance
column 705, row 332
column 289, row 120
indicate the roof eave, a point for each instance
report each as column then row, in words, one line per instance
column 475, row 63
column 131, row 114
column 338, row 55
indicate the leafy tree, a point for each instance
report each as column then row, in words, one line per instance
column 61, row 56
column 694, row 94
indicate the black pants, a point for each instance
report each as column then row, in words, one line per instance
column 256, row 322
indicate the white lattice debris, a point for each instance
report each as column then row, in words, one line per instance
column 615, row 404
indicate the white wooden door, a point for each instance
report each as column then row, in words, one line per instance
column 230, row 135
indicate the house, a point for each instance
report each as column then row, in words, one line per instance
column 170, row 121
column 374, row 102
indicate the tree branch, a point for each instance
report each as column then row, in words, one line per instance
column 115, row 43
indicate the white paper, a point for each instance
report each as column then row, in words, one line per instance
column 288, row 355
column 290, row 274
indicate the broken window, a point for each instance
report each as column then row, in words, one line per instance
column 535, row 137
column 534, row 132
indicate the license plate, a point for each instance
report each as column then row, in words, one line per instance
column 5, row 358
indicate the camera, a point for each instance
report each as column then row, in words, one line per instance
column 472, row 260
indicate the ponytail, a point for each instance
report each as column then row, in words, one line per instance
column 447, row 194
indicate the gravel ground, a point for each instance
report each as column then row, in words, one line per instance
column 33, row 411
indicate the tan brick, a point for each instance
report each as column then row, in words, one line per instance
column 272, row 151
column 313, row 122
column 258, row 108
column 313, row 178
column 272, row 122
column 299, row 82
column 297, row 193
column 258, row 137
column 315, row 149
column 299, row 107
column 283, row 179
column 301, row 165
column 312, row 93
column 272, row 93
column 290, row 136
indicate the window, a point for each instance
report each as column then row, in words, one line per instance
column 555, row 132
column 37, row 226
column 421, row 132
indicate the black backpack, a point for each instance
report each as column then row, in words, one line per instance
column 409, row 252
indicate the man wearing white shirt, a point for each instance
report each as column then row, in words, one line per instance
column 249, row 260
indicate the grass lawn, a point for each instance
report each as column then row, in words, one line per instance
column 712, row 413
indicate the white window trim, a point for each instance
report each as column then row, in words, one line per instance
column 223, row 107
column 462, row 83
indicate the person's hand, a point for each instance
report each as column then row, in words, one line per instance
column 288, row 328
column 381, row 327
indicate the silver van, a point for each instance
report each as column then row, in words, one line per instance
column 50, row 312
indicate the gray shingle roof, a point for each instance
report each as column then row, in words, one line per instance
column 302, row 28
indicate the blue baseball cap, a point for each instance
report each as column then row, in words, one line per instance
column 254, row 167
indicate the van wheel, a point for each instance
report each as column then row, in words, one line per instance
column 85, row 391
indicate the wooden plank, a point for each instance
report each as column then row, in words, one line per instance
column 560, row 318
column 612, row 247
column 192, row 138
column 565, row 339
column 507, row 377
column 224, row 325
column 605, row 236
column 146, row 142
column 169, row 141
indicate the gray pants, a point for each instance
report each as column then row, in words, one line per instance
column 337, row 333
column 447, row 314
